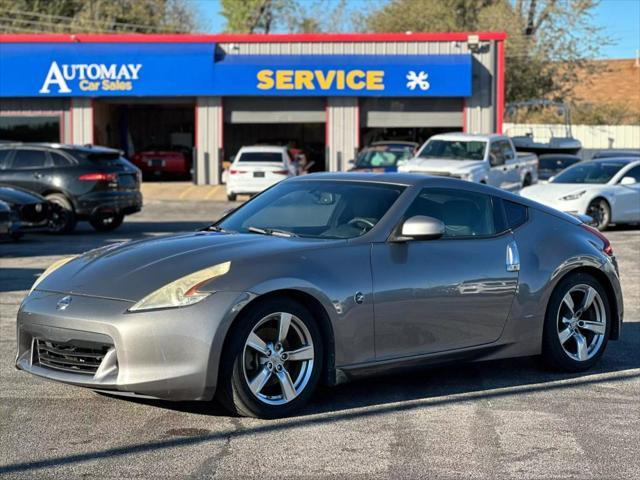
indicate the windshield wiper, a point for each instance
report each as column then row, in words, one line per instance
column 275, row 232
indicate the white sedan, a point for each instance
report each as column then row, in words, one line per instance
column 256, row 168
column 607, row 190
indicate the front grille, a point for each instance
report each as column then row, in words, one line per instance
column 68, row 357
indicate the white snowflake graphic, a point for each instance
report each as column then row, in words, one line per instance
column 417, row 80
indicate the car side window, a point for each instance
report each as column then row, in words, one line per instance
column 507, row 150
column 464, row 214
column 634, row 173
column 4, row 155
column 516, row 214
column 496, row 155
column 26, row 159
column 59, row 160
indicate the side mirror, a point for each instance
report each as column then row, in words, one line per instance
column 493, row 160
column 421, row 228
column 628, row 181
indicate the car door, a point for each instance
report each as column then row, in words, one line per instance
column 627, row 206
column 497, row 167
column 28, row 168
column 513, row 180
column 450, row 293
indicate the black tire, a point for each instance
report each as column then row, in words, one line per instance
column 106, row 223
column 527, row 181
column 15, row 236
column 233, row 391
column 600, row 211
column 231, row 197
column 553, row 354
column 63, row 218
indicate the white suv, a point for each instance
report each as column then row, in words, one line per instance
column 256, row 168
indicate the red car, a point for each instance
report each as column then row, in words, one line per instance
column 164, row 161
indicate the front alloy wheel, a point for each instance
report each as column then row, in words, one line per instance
column 278, row 358
column 272, row 362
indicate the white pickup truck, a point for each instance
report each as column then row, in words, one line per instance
column 489, row 159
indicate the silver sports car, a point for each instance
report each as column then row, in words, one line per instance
column 320, row 279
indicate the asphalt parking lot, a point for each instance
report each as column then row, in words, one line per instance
column 504, row 419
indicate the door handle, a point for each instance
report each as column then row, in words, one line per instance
column 513, row 257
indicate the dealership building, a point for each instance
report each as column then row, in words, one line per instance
column 326, row 94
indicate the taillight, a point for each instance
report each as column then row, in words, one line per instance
column 234, row 172
column 606, row 244
column 280, row 172
column 98, row 177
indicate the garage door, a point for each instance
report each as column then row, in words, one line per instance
column 411, row 112
column 274, row 110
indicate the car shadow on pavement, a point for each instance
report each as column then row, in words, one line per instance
column 390, row 394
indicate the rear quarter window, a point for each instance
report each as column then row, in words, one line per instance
column 516, row 214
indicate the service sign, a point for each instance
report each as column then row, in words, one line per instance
column 345, row 75
column 189, row 69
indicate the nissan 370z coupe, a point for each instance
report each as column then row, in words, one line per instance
column 320, row 279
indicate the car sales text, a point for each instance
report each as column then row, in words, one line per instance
column 91, row 77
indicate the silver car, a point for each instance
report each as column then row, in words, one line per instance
column 320, row 279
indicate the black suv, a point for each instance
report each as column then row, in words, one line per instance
column 90, row 183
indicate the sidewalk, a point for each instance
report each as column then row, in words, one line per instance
column 182, row 191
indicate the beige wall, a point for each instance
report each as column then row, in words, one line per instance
column 209, row 122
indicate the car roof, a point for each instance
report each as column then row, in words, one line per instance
column 466, row 136
column 62, row 146
column 263, row 148
column 393, row 142
column 622, row 160
column 560, row 155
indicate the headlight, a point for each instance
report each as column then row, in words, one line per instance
column 573, row 196
column 182, row 292
column 50, row 269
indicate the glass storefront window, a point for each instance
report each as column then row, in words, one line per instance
column 30, row 129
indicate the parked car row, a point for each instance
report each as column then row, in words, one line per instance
column 71, row 183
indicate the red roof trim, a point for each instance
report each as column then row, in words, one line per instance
column 246, row 38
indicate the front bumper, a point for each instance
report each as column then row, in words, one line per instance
column 126, row 202
column 170, row 354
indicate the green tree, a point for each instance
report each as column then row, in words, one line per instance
column 545, row 44
column 101, row 16
column 267, row 16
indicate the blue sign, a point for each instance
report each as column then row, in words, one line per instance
column 344, row 75
column 188, row 69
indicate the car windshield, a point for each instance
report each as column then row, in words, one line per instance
column 454, row 149
column 589, row 172
column 382, row 156
column 268, row 157
column 556, row 163
column 315, row 209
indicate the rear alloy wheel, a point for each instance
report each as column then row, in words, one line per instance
column 577, row 324
column 273, row 363
column 63, row 218
column 600, row 211
column 106, row 222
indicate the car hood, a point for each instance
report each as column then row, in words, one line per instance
column 132, row 270
column 19, row 196
column 440, row 165
column 551, row 192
